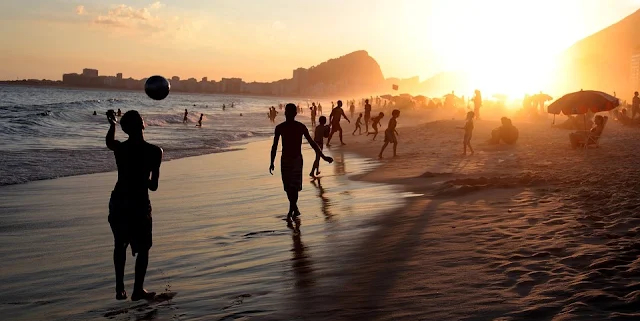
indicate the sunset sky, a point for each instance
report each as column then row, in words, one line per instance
column 265, row 40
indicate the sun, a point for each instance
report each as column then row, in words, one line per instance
column 496, row 43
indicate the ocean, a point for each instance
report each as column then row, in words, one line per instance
column 51, row 132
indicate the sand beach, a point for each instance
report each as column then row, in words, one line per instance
column 534, row 231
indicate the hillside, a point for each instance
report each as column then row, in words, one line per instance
column 603, row 60
column 354, row 72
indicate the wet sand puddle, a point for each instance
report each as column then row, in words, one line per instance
column 219, row 242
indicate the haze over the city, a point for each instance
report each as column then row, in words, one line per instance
column 265, row 40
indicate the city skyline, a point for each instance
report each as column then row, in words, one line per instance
column 260, row 41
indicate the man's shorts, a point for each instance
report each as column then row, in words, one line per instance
column 390, row 137
column 131, row 224
column 291, row 170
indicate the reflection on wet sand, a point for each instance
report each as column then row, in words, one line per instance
column 326, row 204
column 339, row 168
column 300, row 262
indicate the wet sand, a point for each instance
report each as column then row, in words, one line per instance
column 219, row 240
column 535, row 231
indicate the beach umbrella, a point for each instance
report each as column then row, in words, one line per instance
column 420, row 98
column 542, row 97
column 583, row 101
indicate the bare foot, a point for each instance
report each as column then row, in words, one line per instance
column 380, row 156
column 342, row 144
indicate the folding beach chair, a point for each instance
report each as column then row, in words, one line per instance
column 593, row 141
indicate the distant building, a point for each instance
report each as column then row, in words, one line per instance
column 231, row 85
column 205, row 79
column 87, row 72
column 119, row 76
column 175, row 78
column 635, row 69
column 300, row 80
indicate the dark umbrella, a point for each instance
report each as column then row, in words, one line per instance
column 583, row 101
column 420, row 98
column 542, row 97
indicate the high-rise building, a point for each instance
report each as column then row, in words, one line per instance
column 119, row 75
column 205, row 79
column 87, row 72
column 635, row 69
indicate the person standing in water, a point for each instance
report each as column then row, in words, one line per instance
column 334, row 119
column 313, row 115
column 200, row 121
column 468, row 131
column 391, row 133
column 119, row 112
column 186, row 113
column 367, row 114
column 129, row 207
column 291, row 161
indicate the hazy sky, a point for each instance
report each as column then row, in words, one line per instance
column 265, row 40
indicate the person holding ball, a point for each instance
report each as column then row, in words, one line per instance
column 129, row 207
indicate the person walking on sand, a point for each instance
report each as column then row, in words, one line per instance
column 391, row 133
column 635, row 105
column 334, row 119
column 358, row 125
column 184, row 120
column 375, row 121
column 477, row 103
column 129, row 207
column 320, row 132
column 199, row 124
column 367, row 114
column 468, row 131
column 291, row 161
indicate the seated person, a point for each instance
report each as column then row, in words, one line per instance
column 506, row 133
column 579, row 138
column 624, row 119
column 576, row 123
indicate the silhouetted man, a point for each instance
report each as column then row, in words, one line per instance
column 367, row 114
column 129, row 206
column 291, row 163
column 186, row 113
column 635, row 105
column 334, row 120
column 477, row 103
